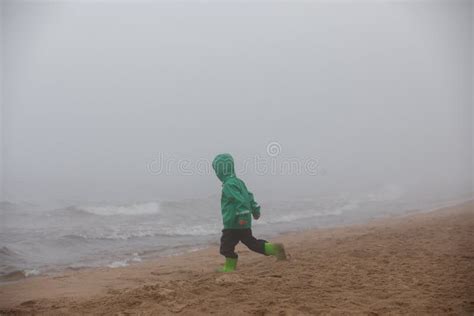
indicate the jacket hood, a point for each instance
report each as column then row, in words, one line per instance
column 223, row 165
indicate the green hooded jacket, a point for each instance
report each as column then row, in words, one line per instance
column 237, row 203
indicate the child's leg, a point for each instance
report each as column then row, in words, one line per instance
column 254, row 244
column 229, row 239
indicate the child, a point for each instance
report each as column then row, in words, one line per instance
column 238, row 207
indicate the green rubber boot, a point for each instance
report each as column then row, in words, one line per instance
column 229, row 265
column 277, row 250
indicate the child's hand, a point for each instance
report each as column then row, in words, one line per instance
column 256, row 216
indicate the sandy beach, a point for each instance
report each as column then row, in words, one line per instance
column 419, row 263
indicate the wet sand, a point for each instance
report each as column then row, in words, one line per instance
column 415, row 264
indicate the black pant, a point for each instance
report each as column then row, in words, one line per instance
column 231, row 237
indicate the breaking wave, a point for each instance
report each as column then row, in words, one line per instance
column 125, row 262
column 131, row 233
column 19, row 274
column 307, row 214
column 127, row 210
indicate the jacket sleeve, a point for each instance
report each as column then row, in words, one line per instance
column 255, row 208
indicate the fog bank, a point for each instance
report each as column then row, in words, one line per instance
column 357, row 97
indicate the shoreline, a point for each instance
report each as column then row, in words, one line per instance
column 351, row 248
column 136, row 258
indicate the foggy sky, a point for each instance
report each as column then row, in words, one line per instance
column 378, row 93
